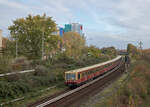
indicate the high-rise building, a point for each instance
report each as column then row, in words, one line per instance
column 74, row 27
column 0, row 39
column 68, row 28
column 61, row 31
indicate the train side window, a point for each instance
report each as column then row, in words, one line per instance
column 78, row 76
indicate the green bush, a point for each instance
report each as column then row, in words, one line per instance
column 21, row 63
column 5, row 62
column 13, row 78
column 40, row 70
column 13, row 89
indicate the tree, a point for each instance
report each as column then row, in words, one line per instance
column 94, row 51
column 133, row 51
column 53, row 45
column 29, row 33
column 73, row 43
column 9, row 47
column 111, row 51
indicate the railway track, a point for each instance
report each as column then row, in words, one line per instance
column 75, row 97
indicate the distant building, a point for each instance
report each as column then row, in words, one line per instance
column 74, row 27
column 4, row 41
column 0, row 39
column 60, row 31
column 68, row 28
column 122, row 52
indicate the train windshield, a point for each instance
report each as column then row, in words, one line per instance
column 70, row 76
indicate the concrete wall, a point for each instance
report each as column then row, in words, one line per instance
column 0, row 38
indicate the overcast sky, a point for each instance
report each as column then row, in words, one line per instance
column 105, row 22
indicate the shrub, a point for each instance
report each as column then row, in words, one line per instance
column 52, row 77
column 40, row 70
column 21, row 63
column 13, row 78
column 5, row 62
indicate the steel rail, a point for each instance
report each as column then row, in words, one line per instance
column 79, row 88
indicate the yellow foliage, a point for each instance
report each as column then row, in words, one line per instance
column 133, row 51
column 73, row 43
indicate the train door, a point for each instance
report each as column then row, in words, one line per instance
column 79, row 76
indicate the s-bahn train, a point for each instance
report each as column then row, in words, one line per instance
column 75, row 78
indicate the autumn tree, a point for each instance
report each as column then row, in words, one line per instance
column 133, row 51
column 29, row 32
column 73, row 44
column 111, row 51
column 53, row 46
column 146, row 54
column 10, row 47
column 93, row 51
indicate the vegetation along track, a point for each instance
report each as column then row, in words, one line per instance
column 77, row 96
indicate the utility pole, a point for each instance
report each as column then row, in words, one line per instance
column 42, row 45
column 16, row 47
column 43, row 23
column 140, row 45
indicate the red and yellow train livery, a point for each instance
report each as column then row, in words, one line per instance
column 78, row 77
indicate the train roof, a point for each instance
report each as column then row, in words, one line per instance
column 93, row 66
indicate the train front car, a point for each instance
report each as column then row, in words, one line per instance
column 70, row 79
